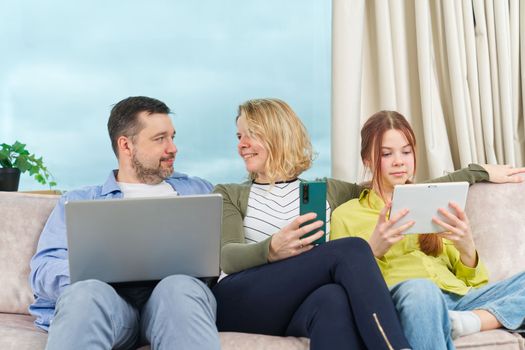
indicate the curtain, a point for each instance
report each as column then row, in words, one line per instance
column 452, row 68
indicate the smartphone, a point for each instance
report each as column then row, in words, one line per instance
column 312, row 199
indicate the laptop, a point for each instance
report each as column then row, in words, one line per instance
column 144, row 239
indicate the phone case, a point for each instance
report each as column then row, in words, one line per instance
column 312, row 198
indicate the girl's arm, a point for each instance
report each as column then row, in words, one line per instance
column 462, row 252
column 384, row 235
column 457, row 230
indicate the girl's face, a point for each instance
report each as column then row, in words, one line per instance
column 397, row 159
column 251, row 151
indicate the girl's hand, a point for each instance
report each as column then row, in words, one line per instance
column 503, row 173
column 384, row 235
column 288, row 242
column 457, row 230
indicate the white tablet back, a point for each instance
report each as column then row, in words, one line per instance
column 423, row 202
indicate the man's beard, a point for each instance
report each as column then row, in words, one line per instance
column 150, row 175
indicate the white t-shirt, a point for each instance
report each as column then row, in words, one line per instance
column 132, row 190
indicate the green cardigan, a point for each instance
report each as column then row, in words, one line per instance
column 237, row 255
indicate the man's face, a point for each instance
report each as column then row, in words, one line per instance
column 153, row 150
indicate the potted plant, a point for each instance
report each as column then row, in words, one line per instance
column 14, row 160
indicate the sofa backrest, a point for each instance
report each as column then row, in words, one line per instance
column 496, row 213
column 497, row 217
column 22, row 217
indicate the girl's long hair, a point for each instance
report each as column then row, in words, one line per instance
column 371, row 143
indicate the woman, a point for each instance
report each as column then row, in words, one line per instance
column 277, row 283
column 442, row 271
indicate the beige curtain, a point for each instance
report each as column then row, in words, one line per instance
column 451, row 67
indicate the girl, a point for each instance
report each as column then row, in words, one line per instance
column 432, row 273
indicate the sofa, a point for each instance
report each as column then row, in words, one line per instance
column 496, row 212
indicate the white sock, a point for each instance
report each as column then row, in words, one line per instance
column 464, row 323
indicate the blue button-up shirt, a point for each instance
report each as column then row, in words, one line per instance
column 49, row 266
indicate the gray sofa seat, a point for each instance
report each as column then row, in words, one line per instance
column 495, row 212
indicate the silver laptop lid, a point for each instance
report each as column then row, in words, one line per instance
column 144, row 239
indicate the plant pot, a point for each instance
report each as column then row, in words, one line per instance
column 9, row 179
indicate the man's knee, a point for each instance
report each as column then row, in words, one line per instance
column 87, row 292
column 84, row 302
column 182, row 287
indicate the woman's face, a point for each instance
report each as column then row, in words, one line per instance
column 251, row 151
column 397, row 159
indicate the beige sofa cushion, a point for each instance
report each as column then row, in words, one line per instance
column 17, row 332
column 491, row 340
column 22, row 219
column 497, row 217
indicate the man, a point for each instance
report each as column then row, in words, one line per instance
column 179, row 312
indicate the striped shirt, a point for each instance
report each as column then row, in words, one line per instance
column 271, row 207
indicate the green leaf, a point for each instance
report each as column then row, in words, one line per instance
column 18, row 147
column 4, row 160
column 17, row 156
column 40, row 179
column 33, row 170
column 22, row 164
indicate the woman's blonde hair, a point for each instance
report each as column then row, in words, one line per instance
column 275, row 125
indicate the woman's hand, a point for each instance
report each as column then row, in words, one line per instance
column 503, row 173
column 457, row 230
column 288, row 242
column 384, row 235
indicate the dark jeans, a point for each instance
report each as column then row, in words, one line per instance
column 334, row 294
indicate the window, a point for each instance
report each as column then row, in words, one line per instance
column 64, row 64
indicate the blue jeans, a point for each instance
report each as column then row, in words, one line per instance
column 423, row 308
column 423, row 313
column 504, row 299
column 179, row 313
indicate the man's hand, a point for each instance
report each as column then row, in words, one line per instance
column 288, row 242
column 503, row 173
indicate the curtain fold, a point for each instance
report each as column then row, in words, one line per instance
column 453, row 68
column 347, row 40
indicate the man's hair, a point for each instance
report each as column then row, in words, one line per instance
column 276, row 126
column 124, row 121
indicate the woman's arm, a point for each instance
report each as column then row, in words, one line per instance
column 472, row 174
column 339, row 192
column 236, row 255
column 485, row 172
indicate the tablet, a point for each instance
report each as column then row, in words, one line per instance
column 423, row 202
